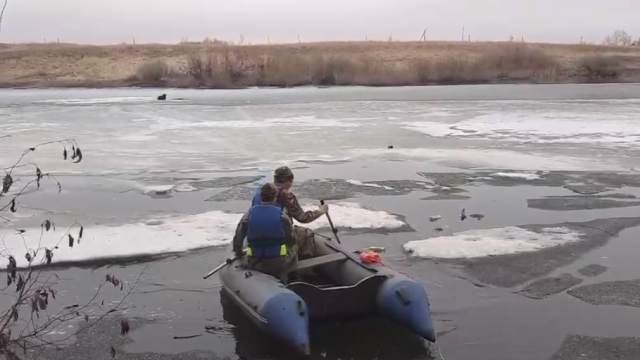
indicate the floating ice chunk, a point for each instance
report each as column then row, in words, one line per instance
column 158, row 189
column 167, row 189
column 360, row 183
column 164, row 235
column 353, row 216
column 487, row 242
column 516, row 175
column 171, row 234
column 185, row 188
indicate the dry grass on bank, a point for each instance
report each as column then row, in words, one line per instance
column 351, row 63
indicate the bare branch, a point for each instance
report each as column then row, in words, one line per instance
column 69, row 141
column 4, row 7
column 25, row 322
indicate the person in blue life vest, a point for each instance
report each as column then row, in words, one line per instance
column 303, row 237
column 268, row 233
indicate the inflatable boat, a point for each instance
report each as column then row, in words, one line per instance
column 334, row 284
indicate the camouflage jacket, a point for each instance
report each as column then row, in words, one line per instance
column 290, row 203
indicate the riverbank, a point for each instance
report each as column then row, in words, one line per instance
column 217, row 65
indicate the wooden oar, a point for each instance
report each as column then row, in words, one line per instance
column 333, row 229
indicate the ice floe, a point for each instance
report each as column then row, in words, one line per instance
column 488, row 242
column 354, row 216
column 158, row 189
column 360, row 183
column 539, row 127
column 164, row 235
column 169, row 234
column 517, row 175
column 166, row 190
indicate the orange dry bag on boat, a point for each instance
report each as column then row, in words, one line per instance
column 370, row 257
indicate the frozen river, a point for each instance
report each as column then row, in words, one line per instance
column 536, row 165
column 126, row 131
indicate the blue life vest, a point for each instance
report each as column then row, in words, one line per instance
column 266, row 234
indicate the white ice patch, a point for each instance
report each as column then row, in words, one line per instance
column 318, row 158
column 185, row 188
column 514, row 175
column 167, row 123
column 158, row 189
column 353, row 216
column 360, row 183
column 170, row 234
column 91, row 101
column 164, row 235
column 493, row 159
column 545, row 127
column 488, row 242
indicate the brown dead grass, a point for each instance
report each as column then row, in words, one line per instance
column 213, row 64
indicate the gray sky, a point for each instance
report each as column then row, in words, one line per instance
column 115, row 21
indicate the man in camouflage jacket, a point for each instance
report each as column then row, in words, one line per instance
column 304, row 237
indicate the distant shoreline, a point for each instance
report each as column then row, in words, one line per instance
column 213, row 65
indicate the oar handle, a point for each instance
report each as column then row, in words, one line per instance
column 219, row 267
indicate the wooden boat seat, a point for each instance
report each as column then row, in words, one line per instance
column 317, row 261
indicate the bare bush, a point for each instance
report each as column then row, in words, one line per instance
column 217, row 68
column 152, row 71
column 229, row 68
column 618, row 38
column 195, row 67
column 597, row 68
column 30, row 314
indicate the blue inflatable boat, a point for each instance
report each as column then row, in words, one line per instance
column 334, row 284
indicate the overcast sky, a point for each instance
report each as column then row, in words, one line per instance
column 115, row 21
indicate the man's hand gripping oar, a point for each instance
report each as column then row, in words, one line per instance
column 333, row 228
